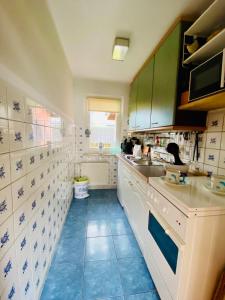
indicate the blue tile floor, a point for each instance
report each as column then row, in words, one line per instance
column 98, row 257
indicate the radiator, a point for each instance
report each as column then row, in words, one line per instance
column 97, row 172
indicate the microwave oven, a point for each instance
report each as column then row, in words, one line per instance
column 207, row 78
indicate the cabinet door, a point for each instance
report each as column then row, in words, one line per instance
column 144, row 97
column 133, row 105
column 165, row 80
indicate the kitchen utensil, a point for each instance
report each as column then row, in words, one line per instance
column 207, row 185
column 173, row 149
column 178, row 184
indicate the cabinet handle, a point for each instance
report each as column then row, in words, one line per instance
column 155, row 123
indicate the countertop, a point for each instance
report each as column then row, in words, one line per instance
column 144, row 171
column 193, row 198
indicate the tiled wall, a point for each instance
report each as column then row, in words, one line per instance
column 36, row 150
column 211, row 145
column 83, row 155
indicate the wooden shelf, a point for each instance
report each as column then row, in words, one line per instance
column 211, row 20
column 212, row 47
column 212, row 102
column 170, row 128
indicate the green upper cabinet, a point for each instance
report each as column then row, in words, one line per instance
column 144, row 97
column 165, row 80
column 133, row 105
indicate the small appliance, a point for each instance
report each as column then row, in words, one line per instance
column 207, row 78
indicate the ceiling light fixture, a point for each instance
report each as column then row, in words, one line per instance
column 120, row 48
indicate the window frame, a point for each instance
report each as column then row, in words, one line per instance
column 118, row 126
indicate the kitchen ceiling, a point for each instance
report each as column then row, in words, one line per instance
column 87, row 29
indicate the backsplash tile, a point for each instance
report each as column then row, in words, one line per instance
column 215, row 121
column 213, row 140
column 37, row 147
column 211, row 145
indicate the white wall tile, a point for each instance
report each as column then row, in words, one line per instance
column 17, row 137
column 223, row 141
column 3, row 103
column 221, row 171
column 5, row 203
column 21, row 218
column 222, row 159
column 16, row 105
column 210, row 169
column 32, row 179
column 211, row 157
column 18, row 164
column 32, row 159
column 6, row 236
column 30, row 133
column 4, row 136
column 8, row 269
column 4, row 170
column 215, row 121
column 213, row 140
column 30, row 110
column 19, row 192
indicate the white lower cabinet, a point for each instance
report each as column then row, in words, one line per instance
column 132, row 193
column 185, row 252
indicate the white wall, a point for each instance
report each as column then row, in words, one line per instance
column 85, row 87
column 31, row 54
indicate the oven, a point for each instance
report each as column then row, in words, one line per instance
column 166, row 235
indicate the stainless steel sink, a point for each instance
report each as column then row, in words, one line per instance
column 145, row 162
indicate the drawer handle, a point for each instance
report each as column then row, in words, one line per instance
column 155, row 123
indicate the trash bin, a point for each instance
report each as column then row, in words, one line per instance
column 81, row 187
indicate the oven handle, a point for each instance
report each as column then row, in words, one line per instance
column 167, row 228
column 223, row 71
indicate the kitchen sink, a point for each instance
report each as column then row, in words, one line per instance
column 145, row 162
column 142, row 162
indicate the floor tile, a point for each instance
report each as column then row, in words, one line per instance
column 64, row 282
column 120, row 226
column 97, row 228
column 100, row 248
column 135, row 276
column 70, row 251
column 101, row 280
column 97, row 257
column 114, row 298
column 126, row 246
column 97, row 212
column 153, row 295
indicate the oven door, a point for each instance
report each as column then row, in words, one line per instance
column 167, row 248
column 207, row 78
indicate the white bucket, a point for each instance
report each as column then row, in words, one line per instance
column 81, row 189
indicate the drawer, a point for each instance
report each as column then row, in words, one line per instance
column 173, row 216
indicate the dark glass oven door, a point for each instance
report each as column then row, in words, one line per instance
column 166, row 245
column 206, row 78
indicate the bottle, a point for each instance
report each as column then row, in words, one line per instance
column 100, row 147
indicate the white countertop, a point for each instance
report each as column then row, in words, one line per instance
column 193, row 198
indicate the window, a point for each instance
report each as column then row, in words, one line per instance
column 104, row 115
